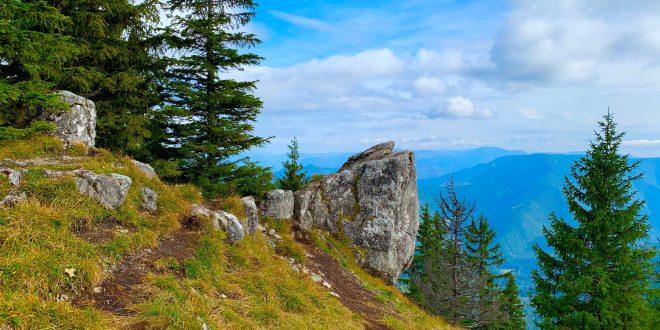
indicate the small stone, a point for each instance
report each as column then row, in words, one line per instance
column 295, row 268
column 202, row 323
column 97, row 290
column 334, row 294
column 278, row 204
column 149, row 200
column 277, row 236
column 272, row 232
column 261, row 228
column 251, row 215
column 223, row 296
column 305, row 270
column 62, row 297
column 146, row 169
column 71, row 272
column 316, row 278
column 327, row 285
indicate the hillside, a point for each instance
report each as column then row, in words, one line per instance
column 66, row 261
column 517, row 193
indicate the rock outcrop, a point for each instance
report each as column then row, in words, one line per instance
column 251, row 215
column 108, row 189
column 278, row 204
column 373, row 201
column 78, row 125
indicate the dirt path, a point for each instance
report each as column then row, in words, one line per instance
column 121, row 288
column 349, row 288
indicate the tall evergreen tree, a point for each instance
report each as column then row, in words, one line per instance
column 294, row 177
column 597, row 275
column 94, row 48
column 456, row 213
column 209, row 114
column 429, row 241
column 483, row 255
column 511, row 315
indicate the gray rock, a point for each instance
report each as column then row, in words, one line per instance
column 14, row 176
column 13, row 198
column 221, row 220
column 146, row 169
column 373, row 201
column 278, row 204
column 78, row 125
column 251, row 215
column 149, row 200
column 108, row 189
column 233, row 227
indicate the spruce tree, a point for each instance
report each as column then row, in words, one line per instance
column 484, row 256
column 511, row 314
column 294, row 177
column 456, row 213
column 426, row 243
column 597, row 274
column 208, row 113
column 98, row 49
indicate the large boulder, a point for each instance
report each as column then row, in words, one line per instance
column 373, row 201
column 251, row 215
column 108, row 189
column 278, row 204
column 78, row 124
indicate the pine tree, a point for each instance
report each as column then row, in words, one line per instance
column 456, row 213
column 294, row 177
column 209, row 114
column 426, row 242
column 511, row 315
column 597, row 275
column 97, row 49
column 35, row 53
column 483, row 256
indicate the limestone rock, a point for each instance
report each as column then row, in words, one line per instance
column 232, row 226
column 14, row 176
column 149, row 200
column 13, row 198
column 278, row 204
column 146, row 169
column 251, row 215
column 78, row 125
column 108, row 189
column 221, row 220
column 373, row 200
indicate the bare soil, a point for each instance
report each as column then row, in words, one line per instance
column 349, row 288
column 122, row 287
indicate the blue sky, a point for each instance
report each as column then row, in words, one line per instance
column 530, row 75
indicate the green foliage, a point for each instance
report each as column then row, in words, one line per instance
column 511, row 309
column 98, row 49
column 36, row 127
column 209, row 116
column 294, row 177
column 453, row 273
column 599, row 271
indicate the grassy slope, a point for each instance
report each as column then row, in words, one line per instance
column 38, row 242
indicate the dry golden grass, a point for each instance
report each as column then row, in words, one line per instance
column 243, row 286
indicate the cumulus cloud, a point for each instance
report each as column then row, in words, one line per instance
column 543, row 42
column 461, row 107
column 374, row 83
column 302, row 21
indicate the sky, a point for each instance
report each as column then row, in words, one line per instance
column 440, row 75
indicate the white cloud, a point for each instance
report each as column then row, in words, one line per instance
column 531, row 114
column 374, row 83
column 642, row 142
column 545, row 42
column 462, row 107
column 302, row 21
